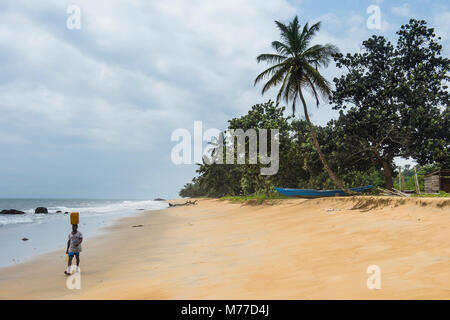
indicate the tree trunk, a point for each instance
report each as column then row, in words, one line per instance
column 319, row 151
column 387, row 170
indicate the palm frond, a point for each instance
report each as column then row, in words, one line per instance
column 290, row 89
column 282, row 48
column 283, row 86
column 320, row 55
column 307, row 34
column 284, row 31
column 270, row 58
column 313, row 91
column 320, row 84
column 295, row 64
column 268, row 72
column 276, row 79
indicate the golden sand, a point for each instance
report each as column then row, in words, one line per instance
column 288, row 249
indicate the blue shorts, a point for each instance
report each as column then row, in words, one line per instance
column 71, row 254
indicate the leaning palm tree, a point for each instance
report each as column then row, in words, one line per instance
column 295, row 67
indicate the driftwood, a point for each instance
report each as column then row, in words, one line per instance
column 187, row 203
column 400, row 193
column 393, row 193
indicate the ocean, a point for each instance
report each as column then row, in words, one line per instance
column 48, row 232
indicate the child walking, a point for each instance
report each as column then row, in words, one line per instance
column 74, row 247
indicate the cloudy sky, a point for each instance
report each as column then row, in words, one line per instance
column 88, row 113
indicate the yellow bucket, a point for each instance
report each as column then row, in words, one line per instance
column 74, row 218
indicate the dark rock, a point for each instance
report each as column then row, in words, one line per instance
column 66, row 212
column 159, row 199
column 25, row 239
column 59, row 211
column 138, row 226
column 41, row 210
column 11, row 211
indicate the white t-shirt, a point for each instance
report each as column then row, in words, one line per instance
column 75, row 241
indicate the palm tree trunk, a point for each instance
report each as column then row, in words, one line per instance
column 319, row 151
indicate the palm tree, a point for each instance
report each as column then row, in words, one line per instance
column 295, row 66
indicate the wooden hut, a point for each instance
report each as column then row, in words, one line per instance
column 437, row 181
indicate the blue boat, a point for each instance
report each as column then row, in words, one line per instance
column 312, row 193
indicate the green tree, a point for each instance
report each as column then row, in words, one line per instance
column 266, row 116
column 396, row 99
column 216, row 180
column 299, row 162
column 295, row 67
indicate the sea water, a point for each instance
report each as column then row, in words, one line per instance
column 48, row 232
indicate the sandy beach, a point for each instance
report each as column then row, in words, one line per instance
column 287, row 249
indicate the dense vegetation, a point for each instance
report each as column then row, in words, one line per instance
column 395, row 96
column 393, row 102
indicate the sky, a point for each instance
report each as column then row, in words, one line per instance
column 88, row 112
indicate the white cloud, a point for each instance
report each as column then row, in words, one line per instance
column 356, row 22
column 135, row 69
column 441, row 23
column 329, row 19
column 403, row 11
column 139, row 69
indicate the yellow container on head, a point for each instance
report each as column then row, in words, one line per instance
column 74, row 218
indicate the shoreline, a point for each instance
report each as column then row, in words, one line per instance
column 53, row 264
column 46, row 232
column 299, row 248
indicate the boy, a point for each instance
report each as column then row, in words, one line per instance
column 74, row 247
